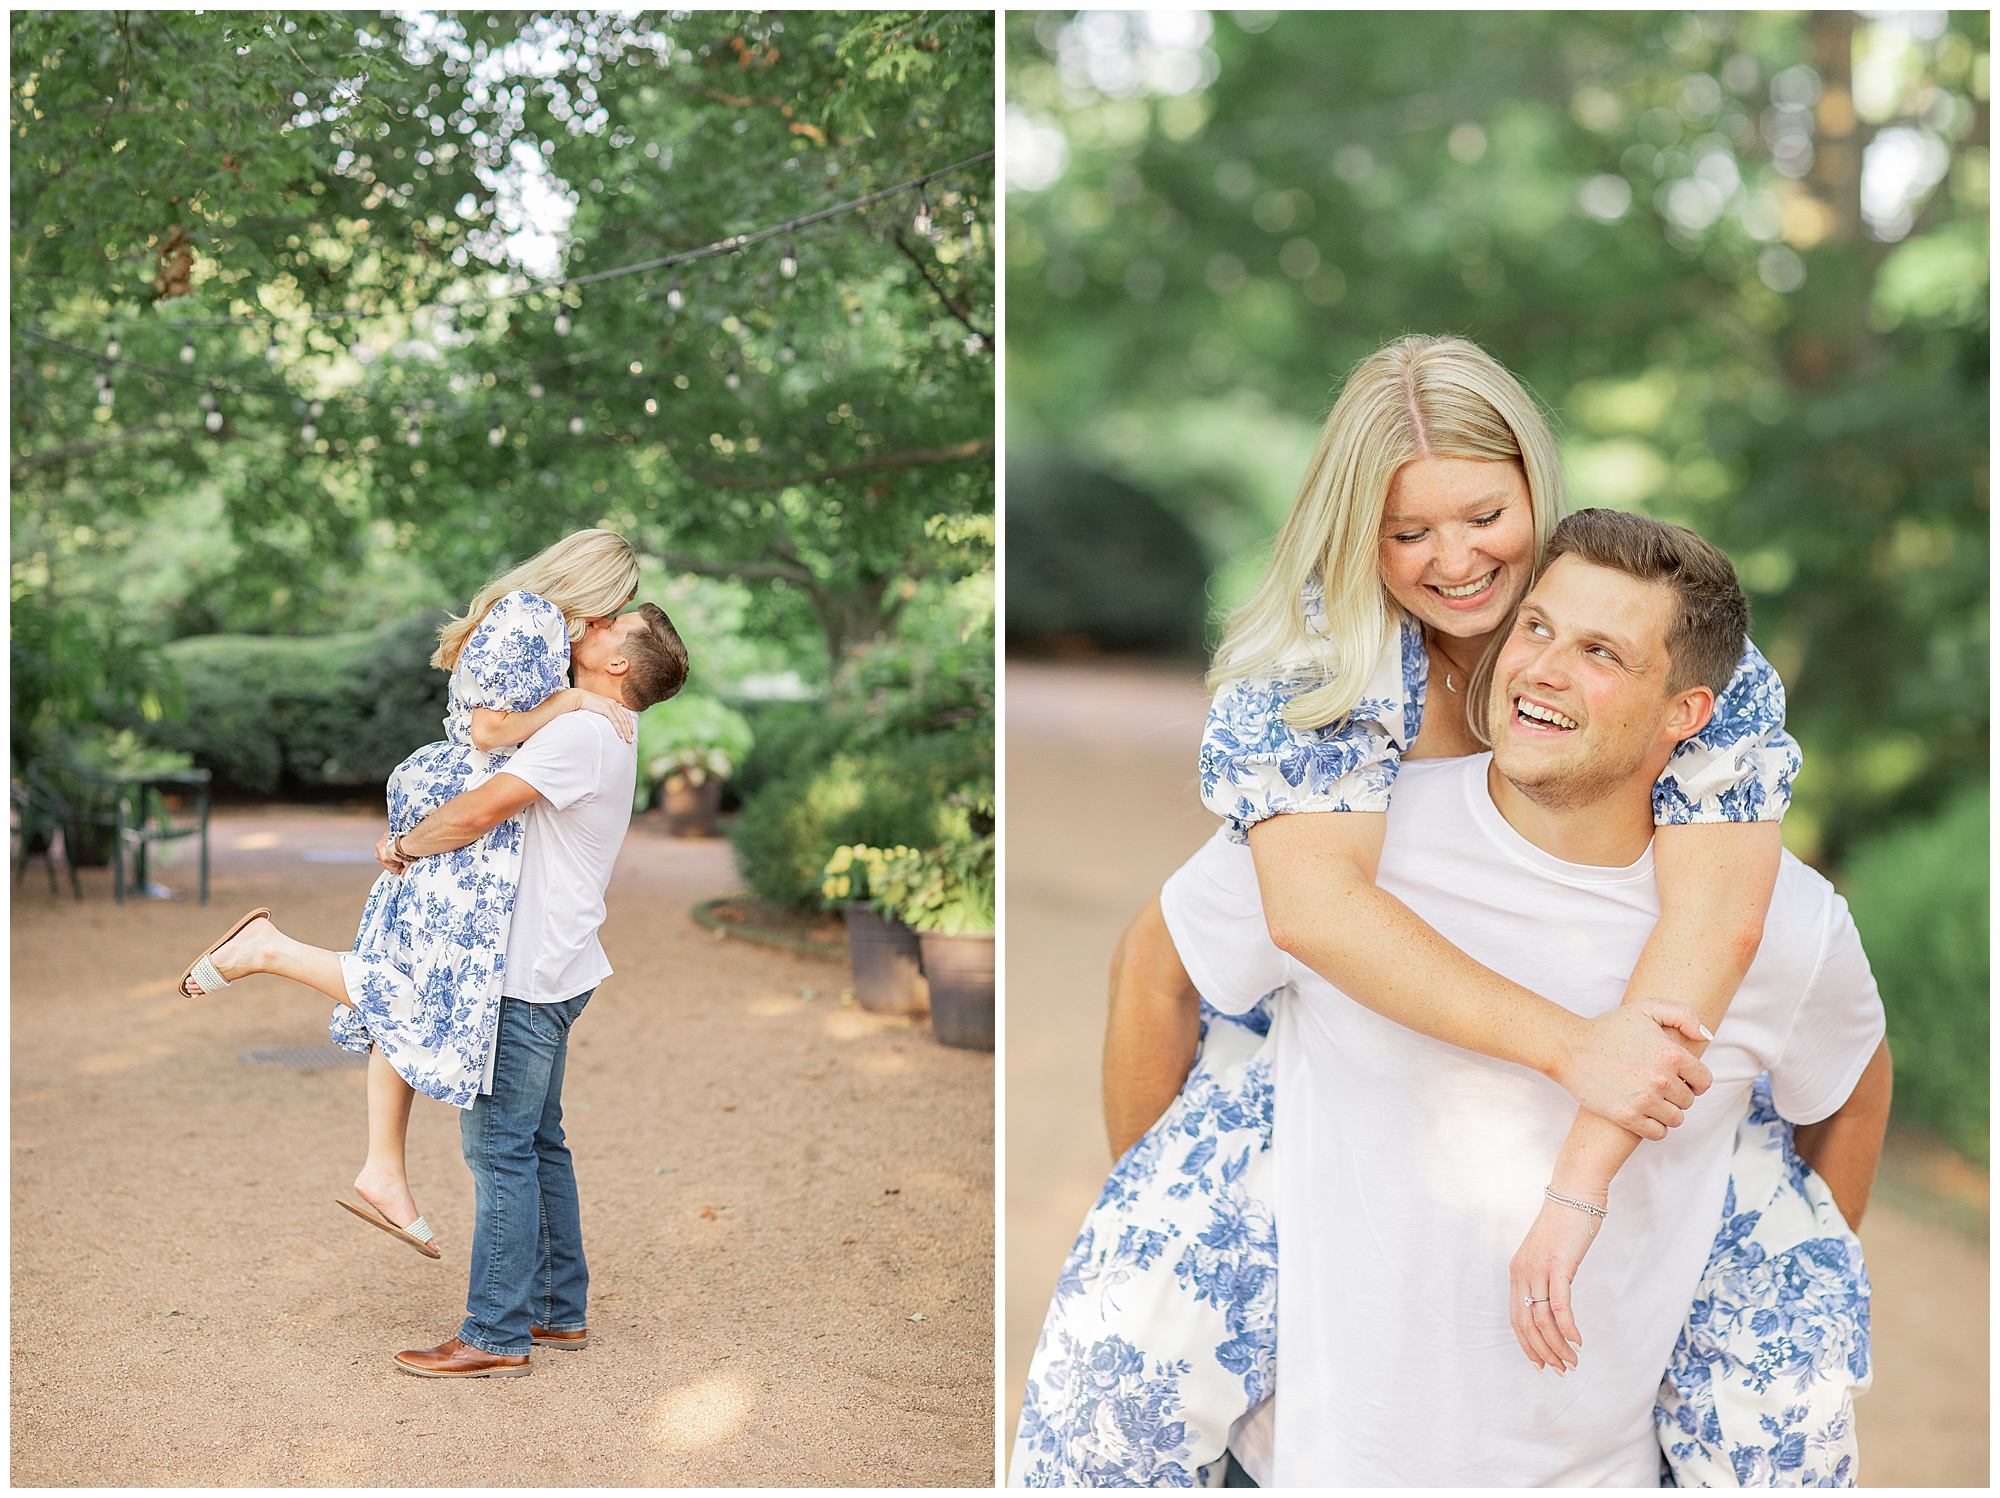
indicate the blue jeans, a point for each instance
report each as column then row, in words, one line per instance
column 527, row 1238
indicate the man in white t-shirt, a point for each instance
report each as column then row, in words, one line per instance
column 1408, row 1171
column 573, row 783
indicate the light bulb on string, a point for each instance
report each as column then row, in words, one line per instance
column 674, row 298
column 104, row 393
column 187, row 348
column 310, row 431
column 111, row 347
column 652, row 402
column 576, row 423
column 562, row 325
column 272, row 353
column 789, row 266
column 733, row 379
column 535, row 391
column 213, row 420
column 497, row 435
column 923, row 220
column 414, row 437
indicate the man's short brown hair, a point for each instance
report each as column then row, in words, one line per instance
column 658, row 657
column 1705, row 641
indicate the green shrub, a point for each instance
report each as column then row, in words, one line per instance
column 788, row 736
column 264, row 712
column 1919, row 898
column 881, row 796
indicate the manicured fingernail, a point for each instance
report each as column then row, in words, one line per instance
column 1706, row 1033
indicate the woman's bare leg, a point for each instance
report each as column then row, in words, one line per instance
column 261, row 947
column 384, row 1183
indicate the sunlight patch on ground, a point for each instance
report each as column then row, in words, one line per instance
column 859, row 1024
column 708, row 1412
column 251, row 842
column 773, row 1008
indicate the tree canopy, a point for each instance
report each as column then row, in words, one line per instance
column 1742, row 256
column 312, row 307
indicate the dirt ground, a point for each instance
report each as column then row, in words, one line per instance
column 1078, row 868
column 787, row 1206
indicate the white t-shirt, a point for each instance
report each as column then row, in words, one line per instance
column 585, row 774
column 1408, row 1170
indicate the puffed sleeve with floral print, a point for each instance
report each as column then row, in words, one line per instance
column 1254, row 765
column 1741, row 766
column 514, row 661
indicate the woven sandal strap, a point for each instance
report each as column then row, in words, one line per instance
column 420, row 1230
column 206, row 978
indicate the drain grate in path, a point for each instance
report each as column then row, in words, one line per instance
column 304, row 1057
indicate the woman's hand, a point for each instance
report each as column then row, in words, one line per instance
column 1629, row 1065
column 1538, row 1279
column 621, row 716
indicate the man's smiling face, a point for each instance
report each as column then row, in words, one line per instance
column 1580, row 686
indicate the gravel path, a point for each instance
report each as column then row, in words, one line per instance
column 787, row 1205
column 1079, row 867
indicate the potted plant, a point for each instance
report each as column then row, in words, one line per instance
column 881, row 951
column 688, row 747
column 945, row 894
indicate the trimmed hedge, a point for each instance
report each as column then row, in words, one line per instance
column 1919, row 898
column 1092, row 558
column 268, row 712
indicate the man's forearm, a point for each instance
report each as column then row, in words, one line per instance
column 450, row 826
column 1846, row 1147
column 1151, row 1033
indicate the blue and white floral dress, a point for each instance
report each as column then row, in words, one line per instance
column 1163, row 1329
column 427, row 962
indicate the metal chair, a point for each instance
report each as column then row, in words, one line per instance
column 144, row 818
column 38, row 817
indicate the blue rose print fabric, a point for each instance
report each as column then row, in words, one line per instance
column 1761, row 1388
column 427, row 962
column 1164, row 1326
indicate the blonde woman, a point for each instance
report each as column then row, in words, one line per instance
column 1421, row 523
column 421, row 988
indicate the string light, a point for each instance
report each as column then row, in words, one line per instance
column 562, row 325
column 272, row 353
column 111, row 347
column 576, row 423
column 187, row 348
column 652, row 402
column 535, row 391
column 213, row 420
column 923, row 220
column 309, row 431
column 674, row 298
column 789, row 266
column 414, row 437
column 638, row 367
column 104, row 393
column 497, row 435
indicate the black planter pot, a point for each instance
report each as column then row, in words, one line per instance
column 888, row 970
column 960, row 970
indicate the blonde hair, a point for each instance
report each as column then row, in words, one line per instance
column 1419, row 397
column 586, row 576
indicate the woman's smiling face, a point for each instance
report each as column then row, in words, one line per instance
column 1457, row 542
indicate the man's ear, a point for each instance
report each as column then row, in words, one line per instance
column 1688, row 713
column 616, row 666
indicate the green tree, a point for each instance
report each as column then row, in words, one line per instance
column 324, row 245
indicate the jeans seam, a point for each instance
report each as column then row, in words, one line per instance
column 497, row 1352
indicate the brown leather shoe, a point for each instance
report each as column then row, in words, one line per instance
column 455, row 1360
column 571, row 1341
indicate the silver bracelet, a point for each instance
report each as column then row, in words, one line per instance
column 1566, row 1201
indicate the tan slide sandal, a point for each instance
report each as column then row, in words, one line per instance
column 204, row 973
column 418, row 1234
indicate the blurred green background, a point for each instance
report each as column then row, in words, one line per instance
column 1742, row 257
